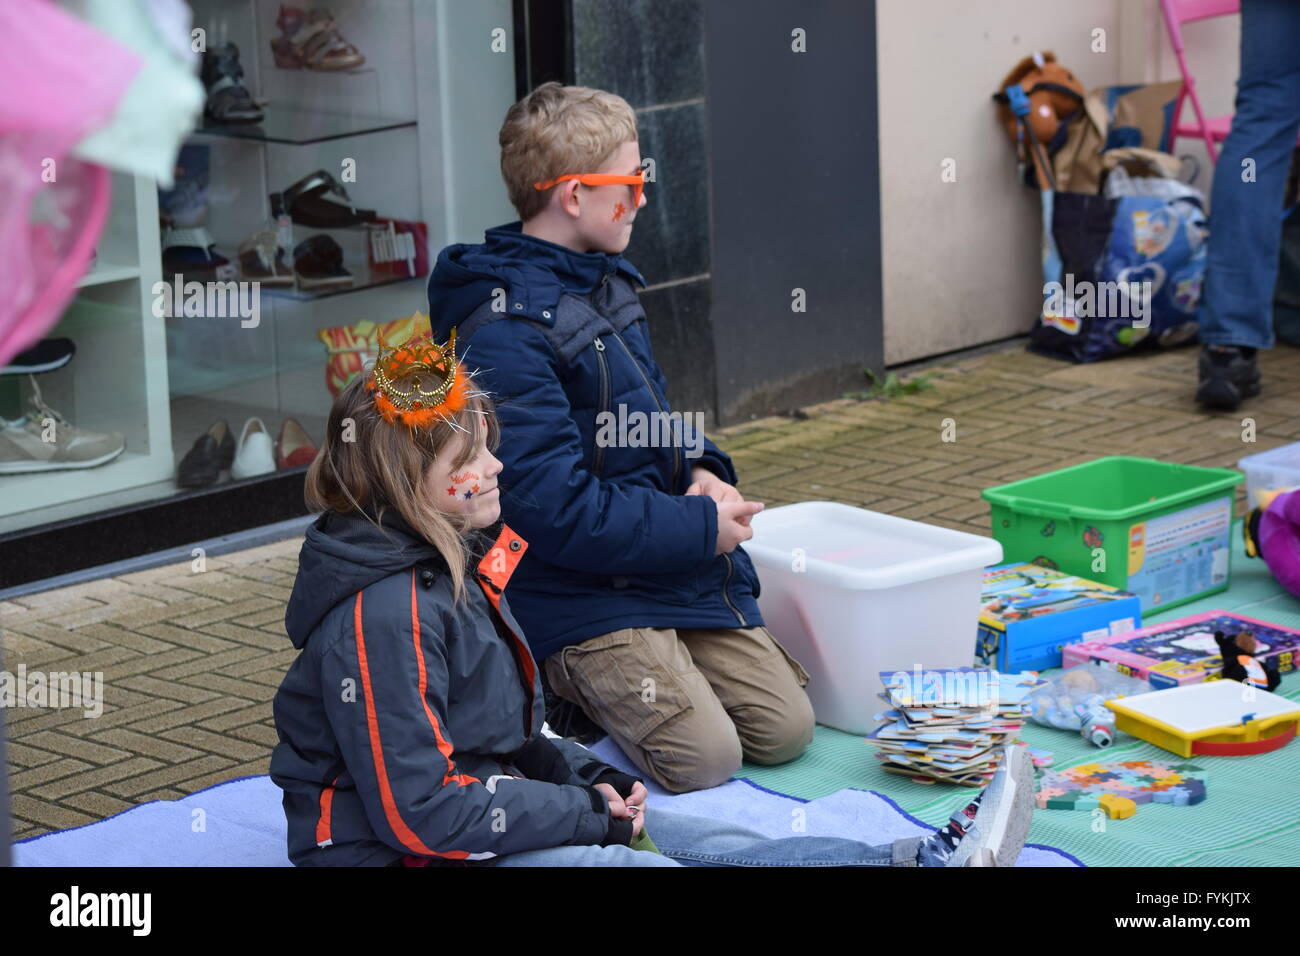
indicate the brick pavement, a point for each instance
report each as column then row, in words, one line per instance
column 191, row 661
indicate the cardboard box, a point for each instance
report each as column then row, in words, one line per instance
column 1182, row 651
column 1029, row 613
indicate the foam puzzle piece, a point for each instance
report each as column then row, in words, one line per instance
column 1117, row 808
column 1135, row 782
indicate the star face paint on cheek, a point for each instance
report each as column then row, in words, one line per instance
column 460, row 480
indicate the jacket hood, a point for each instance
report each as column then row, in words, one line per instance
column 343, row 554
column 534, row 272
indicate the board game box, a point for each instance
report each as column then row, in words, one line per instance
column 1183, row 651
column 1028, row 613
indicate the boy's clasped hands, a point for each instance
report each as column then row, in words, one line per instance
column 734, row 511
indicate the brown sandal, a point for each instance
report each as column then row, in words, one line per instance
column 311, row 41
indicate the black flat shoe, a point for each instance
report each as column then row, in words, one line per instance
column 1227, row 376
column 212, row 454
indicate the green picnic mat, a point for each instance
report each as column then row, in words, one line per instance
column 1247, row 819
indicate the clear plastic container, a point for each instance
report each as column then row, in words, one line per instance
column 1277, row 468
column 851, row 593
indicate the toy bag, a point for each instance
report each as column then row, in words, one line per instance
column 1122, row 270
column 1057, row 703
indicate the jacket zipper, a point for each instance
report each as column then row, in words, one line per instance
column 650, row 388
column 726, row 591
column 598, row 453
column 495, row 616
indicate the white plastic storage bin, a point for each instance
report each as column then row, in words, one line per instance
column 851, row 593
column 1278, row 468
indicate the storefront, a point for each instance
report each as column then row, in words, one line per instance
column 366, row 142
column 302, row 216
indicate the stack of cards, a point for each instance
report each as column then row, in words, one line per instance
column 949, row 725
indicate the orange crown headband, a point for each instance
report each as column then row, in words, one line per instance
column 419, row 383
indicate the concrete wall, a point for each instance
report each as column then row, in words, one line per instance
column 960, row 258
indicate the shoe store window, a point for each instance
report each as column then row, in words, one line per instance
column 337, row 148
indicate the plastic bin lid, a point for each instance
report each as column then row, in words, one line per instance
column 1286, row 456
column 854, row 548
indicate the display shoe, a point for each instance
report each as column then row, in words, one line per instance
column 306, row 202
column 229, row 102
column 293, row 446
column 311, row 41
column 212, row 453
column 45, row 356
column 43, row 440
column 192, row 254
column 318, row 263
column 253, row 456
column 261, row 259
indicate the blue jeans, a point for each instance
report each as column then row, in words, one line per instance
column 1245, row 217
column 699, row 841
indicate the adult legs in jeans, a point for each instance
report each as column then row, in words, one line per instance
column 699, row 841
column 1245, row 215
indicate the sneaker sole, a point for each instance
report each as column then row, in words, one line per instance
column 999, row 830
column 35, row 369
column 25, row 467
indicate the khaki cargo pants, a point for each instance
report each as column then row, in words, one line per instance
column 687, row 704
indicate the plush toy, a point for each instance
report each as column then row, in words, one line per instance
column 1038, row 95
column 1238, row 652
column 1273, row 533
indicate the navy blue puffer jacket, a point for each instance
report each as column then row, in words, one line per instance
column 558, row 337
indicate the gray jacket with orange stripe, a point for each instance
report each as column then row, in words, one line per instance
column 411, row 726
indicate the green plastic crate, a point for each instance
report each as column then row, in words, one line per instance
column 1154, row 528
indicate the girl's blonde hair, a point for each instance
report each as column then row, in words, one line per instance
column 367, row 466
column 556, row 130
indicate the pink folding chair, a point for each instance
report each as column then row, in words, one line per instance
column 1176, row 13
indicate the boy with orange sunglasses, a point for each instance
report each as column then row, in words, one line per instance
column 634, row 593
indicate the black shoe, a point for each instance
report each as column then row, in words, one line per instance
column 45, row 356
column 212, row 453
column 1228, row 375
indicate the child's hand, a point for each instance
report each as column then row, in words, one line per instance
column 617, row 808
column 705, row 482
column 733, row 524
column 637, row 797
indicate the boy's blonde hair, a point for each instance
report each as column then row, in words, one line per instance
column 372, row 466
column 556, row 130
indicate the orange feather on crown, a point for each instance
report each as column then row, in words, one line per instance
column 420, row 382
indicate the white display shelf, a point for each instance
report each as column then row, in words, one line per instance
column 103, row 272
column 43, row 489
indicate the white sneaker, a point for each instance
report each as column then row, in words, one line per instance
column 991, row 830
column 254, row 455
column 43, row 440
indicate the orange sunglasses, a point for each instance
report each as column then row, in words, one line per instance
column 637, row 182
